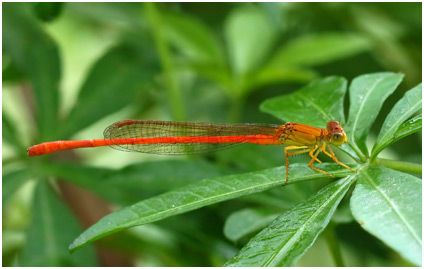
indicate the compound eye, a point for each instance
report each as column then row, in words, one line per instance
column 337, row 139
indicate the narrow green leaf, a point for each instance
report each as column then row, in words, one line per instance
column 193, row 38
column 197, row 195
column 249, row 37
column 113, row 83
column 10, row 134
column 409, row 127
column 272, row 74
column 405, row 108
column 51, row 228
column 36, row 55
column 387, row 204
column 315, row 104
column 123, row 15
column 273, row 11
column 319, row 49
column 247, row 221
column 12, row 181
column 367, row 95
column 175, row 98
column 219, row 74
column 277, row 199
column 10, row 71
column 289, row 236
column 134, row 182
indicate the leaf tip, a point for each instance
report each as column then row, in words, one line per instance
column 75, row 245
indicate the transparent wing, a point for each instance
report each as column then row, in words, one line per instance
column 195, row 135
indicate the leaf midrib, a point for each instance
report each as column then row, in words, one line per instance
column 385, row 137
column 393, row 206
column 295, row 236
column 153, row 216
column 361, row 108
column 318, row 108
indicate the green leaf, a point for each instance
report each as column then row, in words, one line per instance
column 134, row 182
column 249, row 37
column 387, row 204
column 315, row 104
column 367, row 95
column 113, row 83
column 247, row 221
column 289, row 236
column 10, row 72
column 121, row 15
column 405, row 108
column 219, row 74
column 319, row 49
column 10, row 134
column 197, row 195
column 12, row 181
column 48, row 11
column 271, row 74
column 192, row 38
column 409, row 127
column 51, row 228
column 36, row 55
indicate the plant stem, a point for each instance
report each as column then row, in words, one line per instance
column 174, row 93
column 400, row 166
column 358, row 152
column 333, row 244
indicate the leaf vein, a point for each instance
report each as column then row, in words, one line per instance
column 318, row 108
column 295, row 236
column 395, row 209
column 396, row 123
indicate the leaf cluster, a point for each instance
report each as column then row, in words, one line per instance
column 189, row 65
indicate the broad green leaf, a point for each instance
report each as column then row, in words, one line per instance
column 409, row 127
column 197, row 195
column 10, row 134
column 319, row 49
column 135, row 182
column 388, row 204
column 12, row 181
column 113, row 83
column 367, row 95
column 36, row 55
column 192, row 38
column 51, row 228
column 247, row 221
column 405, row 108
column 315, row 104
column 249, row 36
column 289, row 236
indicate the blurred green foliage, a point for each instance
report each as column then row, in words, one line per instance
column 70, row 69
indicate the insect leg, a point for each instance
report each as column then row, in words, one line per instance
column 314, row 158
column 302, row 149
column 333, row 156
column 311, row 154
